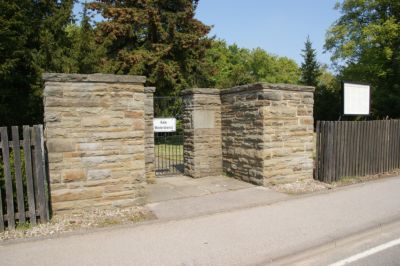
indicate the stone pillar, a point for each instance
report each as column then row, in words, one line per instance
column 202, row 132
column 267, row 132
column 95, row 137
column 149, row 131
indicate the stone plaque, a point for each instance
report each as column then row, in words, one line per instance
column 203, row 119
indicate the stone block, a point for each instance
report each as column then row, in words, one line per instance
column 270, row 95
column 52, row 117
column 72, row 175
column 89, row 146
column 77, row 194
column 96, row 121
column 60, row 145
column 133, row 114
column 99, row 174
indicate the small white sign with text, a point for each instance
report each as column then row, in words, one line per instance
column 164, row 124
column 356, row 99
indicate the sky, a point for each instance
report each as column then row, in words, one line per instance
column 278, row 26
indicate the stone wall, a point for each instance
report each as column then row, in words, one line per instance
column 202, row 132
column 267, row 132
column 100, row 139
column 95, row 137
column 149, row 137
column 242, row 134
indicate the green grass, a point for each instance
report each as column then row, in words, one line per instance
column 169, row 151
column 347, row 180
column 23, row 226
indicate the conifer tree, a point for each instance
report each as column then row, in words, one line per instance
column 89, row 53
column 310, row 69
column 32, row 40
column 156, row 38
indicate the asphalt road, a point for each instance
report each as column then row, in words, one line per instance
column 258, row 235
column 388, row 257
column 378, row 246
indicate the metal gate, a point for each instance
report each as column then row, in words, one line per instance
column 168, row 148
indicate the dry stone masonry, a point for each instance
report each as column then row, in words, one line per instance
column 95, row 136
column 267, row 132
column 100, row 139
column 149, row 134
column 202, row 132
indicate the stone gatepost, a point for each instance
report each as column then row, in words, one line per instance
column 202, row 132
column 149, row 131
column 95, row 137
column 267, row 132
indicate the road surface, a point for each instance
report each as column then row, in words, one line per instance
column 258, row 235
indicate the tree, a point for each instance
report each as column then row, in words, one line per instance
column 53, row 48
column 273, row 69
column 86, row 54
column 231, row 66
column 227, row 65
column 310, row 69
column 365, row 42
column 327, row 97
column 156, row 38
column 17, row 70
column 31, row 40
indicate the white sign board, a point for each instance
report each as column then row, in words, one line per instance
column 164, row 124
column 356, row 99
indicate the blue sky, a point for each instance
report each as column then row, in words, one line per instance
column 278, row 26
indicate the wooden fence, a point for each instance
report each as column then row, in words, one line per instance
column 24, row 177
column 356, row 148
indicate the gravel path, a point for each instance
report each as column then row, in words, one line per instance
column 306, row 186
column 79, row 220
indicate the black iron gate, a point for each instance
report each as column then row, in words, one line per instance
column 168, row 147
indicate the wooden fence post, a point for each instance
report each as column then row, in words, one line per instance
column 18, row 175
column 29, row 177
column 40, row 174
column 8, row 178
column 317, row 150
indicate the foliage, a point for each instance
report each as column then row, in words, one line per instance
column 327, row 97
column 310, row 69
column 365, row 42
column 155, row 38
column 32, row 40
column 230, row 65
column 87, row 55
column 273, row 69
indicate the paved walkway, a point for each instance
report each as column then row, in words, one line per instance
column 241, row 237
column 177, row 187
column 182, row 197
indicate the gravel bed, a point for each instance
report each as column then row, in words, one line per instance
column 306, row 186
column 79, row 220
column 303, row 186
